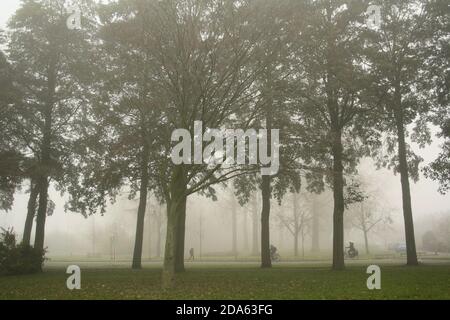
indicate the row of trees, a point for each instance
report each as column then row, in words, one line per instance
column 91, row 111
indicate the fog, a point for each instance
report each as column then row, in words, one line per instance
column 209, row 223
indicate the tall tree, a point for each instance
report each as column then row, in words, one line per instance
column 201, row 50
column 273, row 86
column 52, row 62
column 118, row 133
column 397, row 63
column 15, row 165
column 328, row 85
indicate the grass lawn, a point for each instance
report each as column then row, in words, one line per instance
column 235, row 282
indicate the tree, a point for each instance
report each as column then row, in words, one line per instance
column 397, row 62
column 255, row 224
column 184, row 67
column 430, row 242
column 315, row 226
column 232, row 205
column 274, row 95
column 297, row 223
column 201, row 52
column 366, row 216
column 319, row 200
column 50, row 62
column 331, row 113
column 159, row 231
column 118, row 135
column 15, row 166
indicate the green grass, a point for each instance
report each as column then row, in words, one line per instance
column 235, row 282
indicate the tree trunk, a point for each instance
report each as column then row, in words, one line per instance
column 234, row 229
column 338, row 195
column 255, row 248
column 303, row 244
column 143, row 192
column 158, row 233
column 43, row 184
column 179, row 261
column 280, row 235
column 315, row 226
column 31, row 211
column 175, row 207
column 266, row 192
column 45, row 165
column 245, row 232
column 200, row 234
column 406, row 193
column 265, row 225
column 41, row 214
column 296, row 226
column 150, row 242
column 364, row 228
column 93, row 236
column 366, row 240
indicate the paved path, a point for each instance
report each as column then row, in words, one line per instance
column 157, row 264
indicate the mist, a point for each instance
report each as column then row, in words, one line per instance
column 69, row 234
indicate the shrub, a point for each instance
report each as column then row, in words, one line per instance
column 18, row 258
